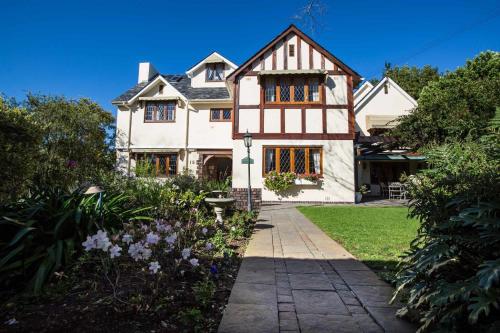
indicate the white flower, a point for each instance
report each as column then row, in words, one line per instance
column 171, row 239
column 209, row 246
column 115, row 251
column 152, row 238
column 177, row 224
column 11, row 321
column 127, row 238
column 233, row 228
column 89, row 244
column 204, row 231
column 194, row 262
column 154, row 266
column 101, row 240
column 186, row 253
column 139, row 251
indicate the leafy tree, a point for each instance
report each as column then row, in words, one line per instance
column 412, row 79
column 19, row 141
column 75, row 139
column 452, row 270
column 457, row 106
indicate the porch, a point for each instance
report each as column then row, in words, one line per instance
column 215, row 164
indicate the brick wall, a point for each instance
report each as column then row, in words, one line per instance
column 240, row 194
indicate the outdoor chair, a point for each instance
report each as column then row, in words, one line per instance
column 384, row 190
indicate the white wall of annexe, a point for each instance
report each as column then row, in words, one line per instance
column 337, row 184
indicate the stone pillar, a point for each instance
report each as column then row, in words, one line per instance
column 240, row 194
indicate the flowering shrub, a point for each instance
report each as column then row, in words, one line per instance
column 279, row 182
column 313, row 177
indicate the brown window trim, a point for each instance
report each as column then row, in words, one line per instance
column 293, row 80
column 292, row 161
column 221, row 117
column 214, row 65
column 291, row 50
column 155, row 110
column 167, row 162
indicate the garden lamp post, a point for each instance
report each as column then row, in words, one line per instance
column 93, row 190
column 247, row 140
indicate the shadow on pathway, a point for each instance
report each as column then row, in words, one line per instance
column 294, row 278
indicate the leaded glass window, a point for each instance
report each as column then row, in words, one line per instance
column 291, row 89
column 298, row 95
column 313, row 90
column 285, row 160
column 215, row 72
column 300, row 160
column 162, row 165
column 284, row 90
column 270, row 91
column 220, row 114
column 160, row 111
column 149, row 112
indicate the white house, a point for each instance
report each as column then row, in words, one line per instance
column 377, row 109
column 293, row 96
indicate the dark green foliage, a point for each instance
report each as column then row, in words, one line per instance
column 457, row 106
column 452, row 270
column 411, row 79
column 19, row 139
column 41, row 233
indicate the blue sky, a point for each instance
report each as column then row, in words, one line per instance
column 92, row 48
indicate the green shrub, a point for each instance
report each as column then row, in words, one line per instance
column 41, row 233
column 279, row 182
column 144, row 168
column 452, row 268
column 204, row 292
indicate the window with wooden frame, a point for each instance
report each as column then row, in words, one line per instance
column 215, row 71
column 220, row 114
column 157, row 112
column 291, row 50
column 292, row 90
column 300, row 160
column 163, row 165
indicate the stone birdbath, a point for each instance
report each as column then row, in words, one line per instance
column 219, row 203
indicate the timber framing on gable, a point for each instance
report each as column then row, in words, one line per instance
column 246, row 67
column 257, row 61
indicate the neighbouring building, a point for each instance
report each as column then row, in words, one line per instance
column 294, row 97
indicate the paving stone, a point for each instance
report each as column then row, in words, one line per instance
column 283, row 284
column 285, row 291
column 285, row 299
column 256, row 276
column 286, row 307
column 349, row 264
column 302, row 266
column 314, row 323
column 386, row 317
column 264, row 318
column 310, row 281
column 318, row 302
column 288, row 325
column 350, row 300
column 378, row 296
column 340, row 286
column 252, row 293
column 367, row 324
column 356, row 309
column 365, row 278
column 252, row 263
column 287, row 315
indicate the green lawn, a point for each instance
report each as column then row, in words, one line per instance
column 375, row 235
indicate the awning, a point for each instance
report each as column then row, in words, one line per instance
column 160, row 98
column 390, row 157
column 294, row 72
column 155, row 150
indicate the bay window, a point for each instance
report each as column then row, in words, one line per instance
column 293, row 90
column 158, row 165
column 299, row 160
column 163, row 111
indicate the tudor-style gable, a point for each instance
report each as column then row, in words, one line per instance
column 293, row 88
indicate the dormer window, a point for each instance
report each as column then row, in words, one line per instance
column 215, row 71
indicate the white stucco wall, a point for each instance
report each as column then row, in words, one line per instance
column 272, row 120
column 314, row 121
column 337, row 121
column 249, row 119
column 393, row 104
column 249, row 91
column 204, row 133
column 337, row 184
column 293, row 120
column 336, row 89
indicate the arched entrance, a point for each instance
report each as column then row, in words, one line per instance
column 217, row 167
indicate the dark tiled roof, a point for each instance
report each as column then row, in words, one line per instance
column 183, row 84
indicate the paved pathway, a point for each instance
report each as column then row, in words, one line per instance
column 294, row 278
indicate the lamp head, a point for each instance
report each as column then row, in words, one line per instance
column 94, row 189
column 247, row 139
